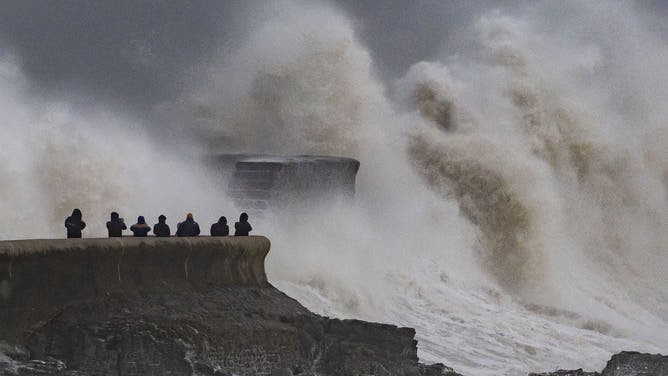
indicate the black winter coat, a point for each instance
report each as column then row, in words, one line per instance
column 74, row 226
column 161, row 230
column 187, row 228
column 115, row 228
column 242, row 228
column 220, row 229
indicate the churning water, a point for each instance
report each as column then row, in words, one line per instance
column 511, row 205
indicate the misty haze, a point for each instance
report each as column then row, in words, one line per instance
column 491, row 174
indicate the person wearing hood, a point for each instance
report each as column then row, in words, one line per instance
column 140, row 229
column 74, row 224
column 242, row 228
column 115, row 226
column 220, row 228
column 188, row 227
column 161, row 229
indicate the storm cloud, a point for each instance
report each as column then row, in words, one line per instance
column 141, row 53
column 135, row 53
column 138, row 54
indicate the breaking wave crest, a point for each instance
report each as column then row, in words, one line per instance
column 509, row 206
column 487, row 199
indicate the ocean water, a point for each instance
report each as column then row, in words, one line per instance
column 511, row 205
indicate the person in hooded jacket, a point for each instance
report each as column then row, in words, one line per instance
column 242, row 228
column 220, row 228
column 74, row 224
column 188, row 227
column 140, row 229
column 161, row 229
column 115, row 226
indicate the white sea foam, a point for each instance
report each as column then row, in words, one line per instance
column 511, row 204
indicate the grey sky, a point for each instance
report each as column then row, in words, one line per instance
column 133, row 52
column 137, row 53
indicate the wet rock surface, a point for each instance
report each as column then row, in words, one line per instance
column 15, row 360
column 629, row 363
column 437, row 369
column 218, row 331
column 561, row 372
column 626, row 363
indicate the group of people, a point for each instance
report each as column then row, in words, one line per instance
column 189, row 227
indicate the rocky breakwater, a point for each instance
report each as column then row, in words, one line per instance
column 626, row 363
column 175, row 306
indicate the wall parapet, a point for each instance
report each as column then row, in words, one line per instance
column 38, row 276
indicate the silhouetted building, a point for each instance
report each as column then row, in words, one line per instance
column 220, row 228
column 115, row 226
column 161, row 229
column 75, row 224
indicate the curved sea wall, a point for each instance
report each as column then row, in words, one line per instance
column 38, row 277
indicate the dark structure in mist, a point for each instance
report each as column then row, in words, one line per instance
column 263, row 182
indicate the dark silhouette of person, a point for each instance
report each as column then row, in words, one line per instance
column 242, row 228
column 188, row 227
column 161, row 229
column 220, row 228
column 74, row 224
column 115, row 226
column 140, row 229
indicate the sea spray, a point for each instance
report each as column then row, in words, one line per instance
column 531, row 185
column 510, row 203
column 55, row 158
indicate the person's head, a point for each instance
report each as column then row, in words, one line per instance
column 141, row 220
column 243, row 217
column 76, row 213
column 189, row 216
column 162, row 219
column 114, row 216
column 222, row 220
